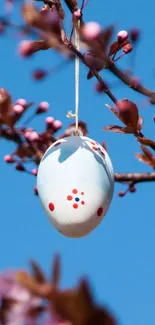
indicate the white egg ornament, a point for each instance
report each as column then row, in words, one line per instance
column 75, row 184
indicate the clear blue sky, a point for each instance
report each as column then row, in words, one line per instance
column 119, row 256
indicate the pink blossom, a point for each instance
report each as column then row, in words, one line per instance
column 31, row 136
column 122, row 36
column 35, row 190
column 25, row 48
column 21, row 102
column 18, row 109
column 57, row 124
column 127, row 48
column 34, row 171
column 91, row 30
column 43, row 107
column 49, row 120
column 17, row 313
column 9, row 159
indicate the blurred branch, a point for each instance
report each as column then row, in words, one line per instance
column 134, row 177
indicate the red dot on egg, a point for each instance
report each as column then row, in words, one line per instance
column 69, row 197
column 94, row 148
column 82, row 202
column 75, row 205
column 74, row 191
column 82, row 193
column 99, row 211
column 92, row 142
column 51, row 206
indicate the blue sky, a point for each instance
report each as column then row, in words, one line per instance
column 119, row 256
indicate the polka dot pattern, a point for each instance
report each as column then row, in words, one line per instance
column 76, row 198
column 100, row 211
column 51, row 206
column 96, row 147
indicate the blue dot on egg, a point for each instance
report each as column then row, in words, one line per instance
column 77, row 199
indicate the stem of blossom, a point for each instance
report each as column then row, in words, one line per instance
column 96, row 74
column 134, row 177
column 128, row 80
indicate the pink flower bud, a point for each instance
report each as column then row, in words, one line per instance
column 9, row 159
column 35, row 190
column 100, row 87
column 18, row 109
column 49, row 120
column 91, row 31
column 21, row 102
column 127, row 48
column 134, row 34
column 35, row 171
column 20, row 167
column 25, row 48
column 92, row 61
column 57, row 124
column 39, row 74
column 42, row 108
column 122, row 36
column 76, row 15
column 121, row 193
column 31, row 136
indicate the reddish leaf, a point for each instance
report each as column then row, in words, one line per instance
column 56, row 271
column 147, row 142
column 114, row 128
column 128, row 112
column 90, row 75
column 147, row 152
column 105, row 37
column 37, row 272
column 147, row 157
column 5, row 107
column 24, row 151
column 115, row 47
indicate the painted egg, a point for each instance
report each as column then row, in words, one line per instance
column 75, row 185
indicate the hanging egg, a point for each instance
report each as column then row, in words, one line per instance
column 75, row 184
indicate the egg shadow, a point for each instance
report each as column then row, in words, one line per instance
column 66, row 152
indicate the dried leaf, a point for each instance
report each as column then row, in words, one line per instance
column 128, row 112
column 23, row 151
column 90, row 75
column 5, row 107
column 146, row 157
column 114, row 128
column 147, row 152
column 56, row 271
column 115, row 112
column 37, row 272
column 105, row 37
column 41, row 290
column 78, row 307
column 115, row 47
column 146, row 142
column 32, row 16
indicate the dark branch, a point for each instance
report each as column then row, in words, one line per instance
column 134, row 177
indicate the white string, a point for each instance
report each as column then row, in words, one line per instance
column 77, row 72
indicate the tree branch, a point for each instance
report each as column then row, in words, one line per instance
column 128, row 81
column 134, row 177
